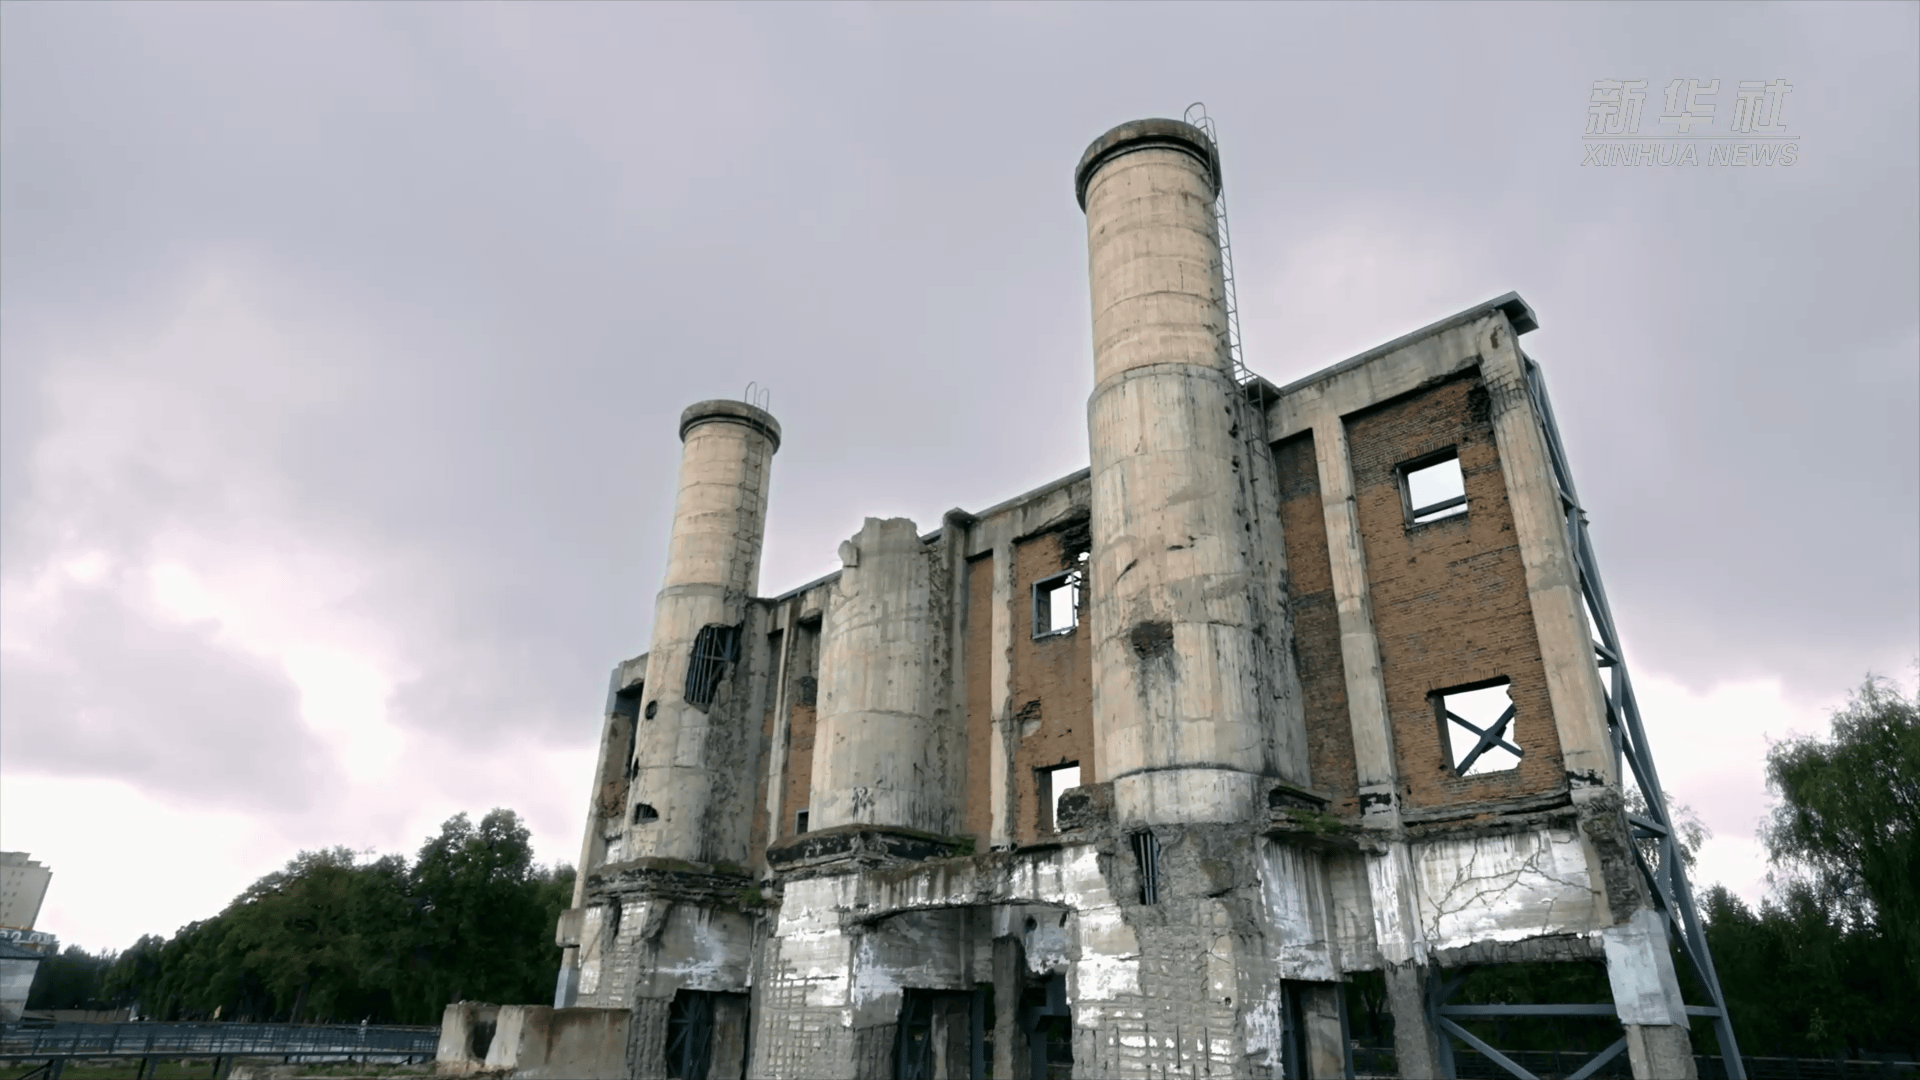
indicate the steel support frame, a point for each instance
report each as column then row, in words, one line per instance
column 1673, row 895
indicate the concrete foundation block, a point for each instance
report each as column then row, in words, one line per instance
column 1660, row 1052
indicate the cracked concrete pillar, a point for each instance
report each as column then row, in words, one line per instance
column 882, row 743
column 1416, row 1046
column 691, row 744
column 1323, row 1030
column 1184, row 725
column 1011, row 1057
column 1646, row 994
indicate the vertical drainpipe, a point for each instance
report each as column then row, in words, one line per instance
column 687, row 754
column 1181, row 726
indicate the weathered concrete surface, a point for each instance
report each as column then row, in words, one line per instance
column 467, row 1030
column 1416, row 1046
column 1553, row 579
column 1660, row 1052
column 886, row 729
column 695, row 761
column 1646, row 989
column 1378, row 784
column 1185, row 723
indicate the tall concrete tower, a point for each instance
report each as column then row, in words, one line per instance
column 1182, row 645
column 693, row 751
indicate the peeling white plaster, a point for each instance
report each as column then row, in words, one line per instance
column 1505, row 888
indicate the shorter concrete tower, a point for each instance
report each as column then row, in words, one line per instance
column 693, row 750
column 883, row 742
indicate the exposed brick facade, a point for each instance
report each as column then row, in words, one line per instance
column 1450, row 601
column 1316, row 623
column 1052, row 685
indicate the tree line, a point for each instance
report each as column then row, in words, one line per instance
column 335, row 937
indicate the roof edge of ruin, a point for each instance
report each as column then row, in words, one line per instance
column 1518, row 314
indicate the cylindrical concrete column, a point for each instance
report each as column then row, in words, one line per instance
column 1177, row 714
column 691, row 746
column 880, row 754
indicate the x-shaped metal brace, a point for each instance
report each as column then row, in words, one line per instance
column 1490, row 737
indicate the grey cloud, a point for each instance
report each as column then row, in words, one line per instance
column 113, row 692
column 535, row 233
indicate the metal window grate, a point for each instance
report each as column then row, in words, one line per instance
column 1146, row 852
column 714, row 647
column 690, row 1035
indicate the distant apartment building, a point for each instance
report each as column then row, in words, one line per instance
column 23, row 885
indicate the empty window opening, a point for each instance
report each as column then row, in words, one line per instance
column 1056, row 600
column 714, row 647
column 1434, row 489
column 626, row 703
column 1146, row 853
column 643, row 812
column 799, row 823
column 1052, row 784
column 1478, row 726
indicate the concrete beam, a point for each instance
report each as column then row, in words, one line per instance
column 1553, row 579
column 1373, row 758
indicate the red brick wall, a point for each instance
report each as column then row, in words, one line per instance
column 1052, row 681
column 1450, row 600
column 801, row 718
column 1316, row 624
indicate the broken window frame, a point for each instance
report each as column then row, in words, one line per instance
column 1492, row 736
column 643, row 813
column 714, row 647
column 1073, row 581
column 1432, row 513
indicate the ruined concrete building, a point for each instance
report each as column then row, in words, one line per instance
column 1127, row 775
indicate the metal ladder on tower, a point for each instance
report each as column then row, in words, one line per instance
column 1196, row 115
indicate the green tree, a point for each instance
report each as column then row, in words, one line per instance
column 486, row 916
column 325, row 935
column 1849, row 815
column 336, row 937
column 1830, row 960
column 69, row 979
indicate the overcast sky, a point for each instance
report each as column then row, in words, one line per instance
column 343, row 347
